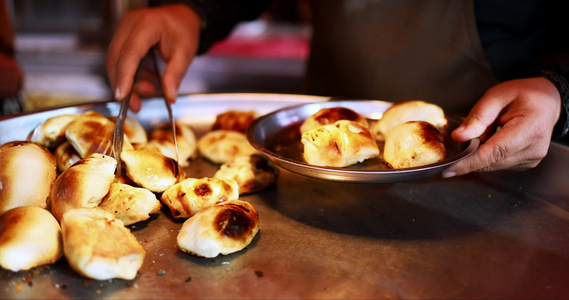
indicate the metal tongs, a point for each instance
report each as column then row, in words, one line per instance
column 118, row 136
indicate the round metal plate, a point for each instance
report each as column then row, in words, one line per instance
column 277, row 136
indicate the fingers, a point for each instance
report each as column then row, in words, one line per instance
column 120, row 36
column 134, row 48
column 135, row 103
column 504, row 150
column 173, row 28
column 526, row 110
column 482, row 117
column 173, row 74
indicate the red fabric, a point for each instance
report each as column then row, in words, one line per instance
column 287, row 47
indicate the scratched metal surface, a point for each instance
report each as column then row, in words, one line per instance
column 494, row 235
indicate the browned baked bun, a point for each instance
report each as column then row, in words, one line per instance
column 414, row 110
column 192, row 195
column 151, row 170
column 83, row 185
column 134, row 131
column 162, row 141
column 252, row 173
column 221, row 146
column 29, row 237
column 91, row 133
column 341, row 144
column 66, row 156
column 98, row 246
column 413, row 144
column 330, row 115
column 130, row 204
column 224, row 228
column 235, row 120
column 27, row 172
column 51, row 132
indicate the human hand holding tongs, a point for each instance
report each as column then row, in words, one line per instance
column 118, row 136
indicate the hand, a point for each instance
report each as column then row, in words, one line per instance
column 173, row 29
column 525, row 111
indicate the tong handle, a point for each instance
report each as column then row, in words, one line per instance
column 118, row 136
column 169, row 108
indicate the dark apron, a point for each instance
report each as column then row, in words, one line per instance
column 397, row 50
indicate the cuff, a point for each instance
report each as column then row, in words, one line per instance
column 561, row 129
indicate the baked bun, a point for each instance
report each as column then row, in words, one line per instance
column 252, row 173
column 130, row 204
column 134, row 131
column 65, row 156
column 341, row 144
column 98, row 246
column 221, row 146
column 413, row 144
column 330, row 115
column 414, row 110
column 83, row 185
column 91, row 133
column 27, row 172
column 162, row 141
column 235, row 120
column 224, row 228
column 51, row 132
column 192, row 195
column 29, row 237
column 151, row 170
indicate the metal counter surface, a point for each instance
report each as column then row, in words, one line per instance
column 493, row 235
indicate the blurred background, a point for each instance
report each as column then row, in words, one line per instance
column 58, row 48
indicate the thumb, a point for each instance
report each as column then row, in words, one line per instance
column 481, row 118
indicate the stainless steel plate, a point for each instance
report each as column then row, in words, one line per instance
column 277, row 136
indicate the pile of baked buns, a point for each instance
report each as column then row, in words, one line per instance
column 409, row 134
column 60, row 197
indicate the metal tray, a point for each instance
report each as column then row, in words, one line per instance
column 277, row 136
column 500, row 235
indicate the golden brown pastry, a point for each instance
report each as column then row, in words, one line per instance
column 134, row 131
column 414, row 110
column 235, row 120
column 224, row 228
column 341, row 144
column 51, row 132
column 413, row 144
column 221, row 146
column 151, row 170
column 83, row 185
column 93, row 133
column 98, row 246
column 130, row 204
column 162, row 141
column 330, row 115
column 66, row 156
column 252, row 173
column 192, row 195
column 29, row 237
column 27, row 172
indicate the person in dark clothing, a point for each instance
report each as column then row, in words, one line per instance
column 505, row 63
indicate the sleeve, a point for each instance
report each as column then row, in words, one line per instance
column 219, row 17
column 556, row 69
column 528, row 42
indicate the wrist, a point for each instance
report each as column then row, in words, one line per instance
column 561, row 128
